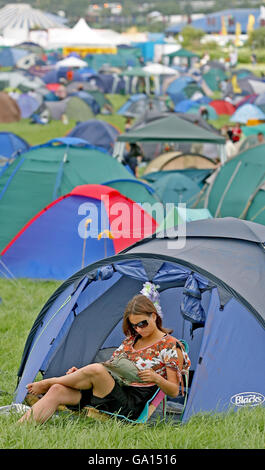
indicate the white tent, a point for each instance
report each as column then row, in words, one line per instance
column 80, row 35
column 71, row 62
column 22, row 16
column 112, row 37
column 159, row 69
column 258, row 86
column 160, row 72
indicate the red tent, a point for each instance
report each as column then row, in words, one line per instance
column 89, row 223
column 223, row 107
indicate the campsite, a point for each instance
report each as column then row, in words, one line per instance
column 130, row 158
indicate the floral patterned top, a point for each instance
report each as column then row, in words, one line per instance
column 158, row 356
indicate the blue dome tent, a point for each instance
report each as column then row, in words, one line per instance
column 221, row 324
column 96, row 132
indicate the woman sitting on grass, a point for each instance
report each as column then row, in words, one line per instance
column 159, row 357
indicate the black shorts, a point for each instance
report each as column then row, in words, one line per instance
column 124, row 400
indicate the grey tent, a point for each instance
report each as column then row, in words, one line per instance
column 216, row 273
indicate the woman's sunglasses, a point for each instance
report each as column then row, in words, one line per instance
column 141, row 324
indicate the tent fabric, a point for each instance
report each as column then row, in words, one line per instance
column 213, row 78
column 170, row 129
column 88, row 99
column 12, row 145
column 96, row 132
column 236, row 189
column 253, row 130
column 49, row 171
column 77, row 229
column 247, row 112
column 178, row 161
column 9, row 109
column 9, row 56
column 27, row 104
column 22, row 80
column 232, row 302
column 175, row 188
column 137, row 190
column 222, row 107
column 182, row 53
column 73, row 107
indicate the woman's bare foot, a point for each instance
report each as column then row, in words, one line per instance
column 38, row 388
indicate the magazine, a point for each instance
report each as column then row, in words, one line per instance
column 122, row 369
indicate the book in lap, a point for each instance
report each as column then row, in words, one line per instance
column 123, row 370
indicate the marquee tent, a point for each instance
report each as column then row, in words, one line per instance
column 21, row 16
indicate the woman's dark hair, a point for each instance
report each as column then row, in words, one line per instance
column 140, row 305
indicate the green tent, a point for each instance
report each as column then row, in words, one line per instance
column 43, row 174
column 213, row 78
column 182, row 53
column 174, row 187
column 253, row 130
column 171, row 129
column 237, row 189
column 177, row 215
column 139, row 192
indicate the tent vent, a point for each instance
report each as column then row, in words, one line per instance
column 200, row 360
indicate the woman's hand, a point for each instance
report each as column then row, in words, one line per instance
column 149, row 376
column 70, row 371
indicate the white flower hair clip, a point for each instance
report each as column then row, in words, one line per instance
column 150, row 291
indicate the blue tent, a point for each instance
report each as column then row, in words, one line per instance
column 96, row 132
column 178, row 85
column 27, row 105
column 133, row 99
column 216, row 307
column 247, row 112
column 65, row 235
column 9, row 56
column 12, row 145
column 184, row 106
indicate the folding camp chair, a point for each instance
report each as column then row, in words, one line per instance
column 150, row 406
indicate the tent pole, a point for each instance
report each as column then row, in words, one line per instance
column 118, row 151
column 226, row 189
column 223, row 156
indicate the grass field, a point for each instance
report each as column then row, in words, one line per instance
column 21, row 301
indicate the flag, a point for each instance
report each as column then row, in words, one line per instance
column 224, row 30
column 251, row 22
column 238, row 32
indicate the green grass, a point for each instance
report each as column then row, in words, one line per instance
column 21, row 303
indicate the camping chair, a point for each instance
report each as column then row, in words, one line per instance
column 150, row 406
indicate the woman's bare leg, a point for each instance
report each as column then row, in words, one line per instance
column 48, row 404
column 92, row 375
